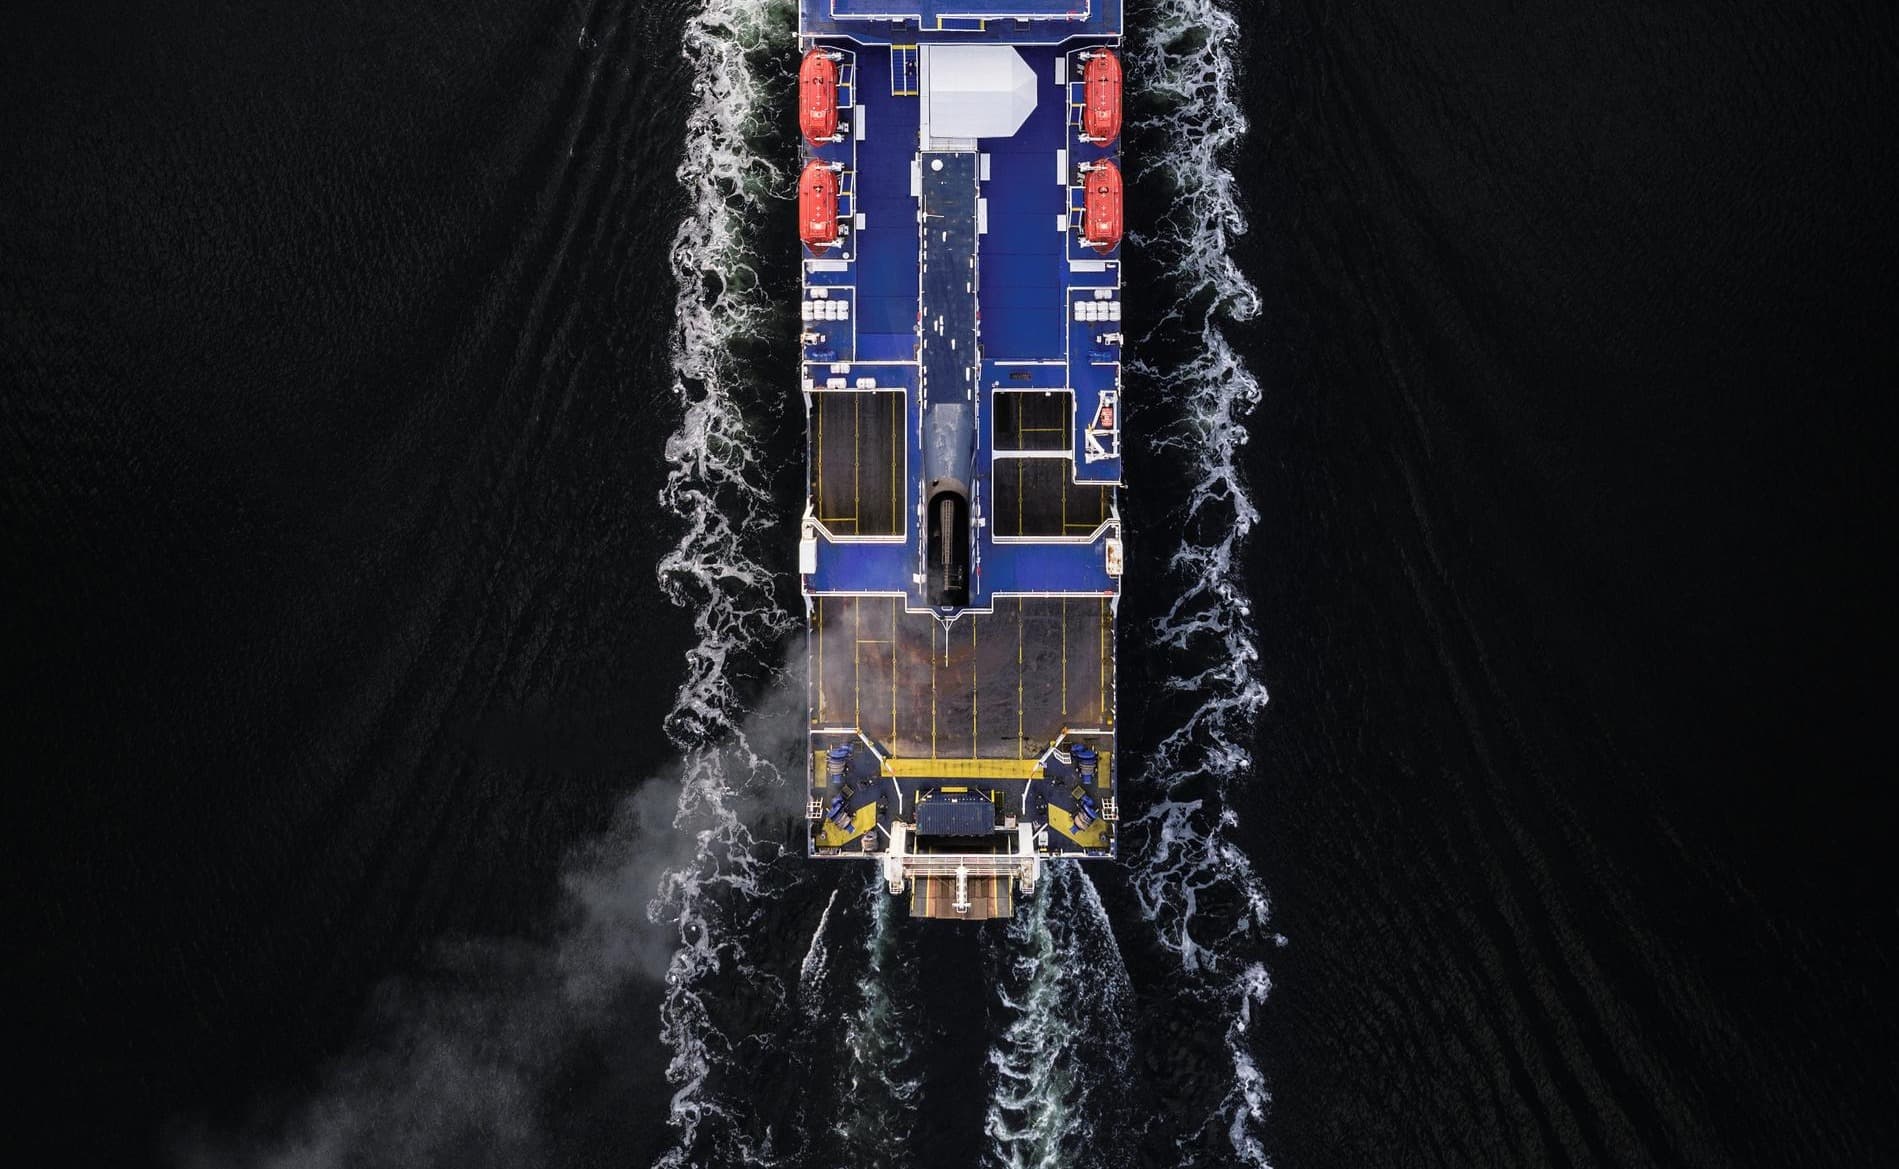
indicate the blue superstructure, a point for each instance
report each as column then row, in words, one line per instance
column 961, row 549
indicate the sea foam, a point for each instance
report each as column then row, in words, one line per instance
column 1196, row 884
column 736, row 49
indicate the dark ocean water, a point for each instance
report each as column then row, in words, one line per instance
column 339, row 353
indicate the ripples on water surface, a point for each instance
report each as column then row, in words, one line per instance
column 397, row 600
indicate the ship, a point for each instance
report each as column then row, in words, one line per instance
column 960, row 554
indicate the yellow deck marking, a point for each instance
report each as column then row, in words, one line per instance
column 862, row 821
column 1018, row 677
column 932, row 689
column 1063, row 822
column 974, row 738
column 940, row 768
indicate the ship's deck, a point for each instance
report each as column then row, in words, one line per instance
column 988, row 685
column 1048, row 430
column 961, row 289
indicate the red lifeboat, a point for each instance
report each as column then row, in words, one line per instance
column 1101, row 213
column 817, row 206
column 817, row 97
column 1101, row 108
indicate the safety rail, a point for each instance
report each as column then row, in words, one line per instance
column 977, row 864
column 901, row 864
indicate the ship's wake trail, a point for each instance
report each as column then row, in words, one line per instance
column 817, row 961
column 1058, row 1070
column 737, row 50
column 1196, row 885
column 882, row 1089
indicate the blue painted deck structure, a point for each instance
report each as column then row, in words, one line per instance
column 960, row 285
column 999, row 21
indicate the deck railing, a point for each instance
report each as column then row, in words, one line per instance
column 900, row 864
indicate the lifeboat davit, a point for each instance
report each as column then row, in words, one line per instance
column 817, row 205
column 817, row 97
column 1101, row 108
column 1101, row 212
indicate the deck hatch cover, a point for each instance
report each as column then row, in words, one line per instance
column 955, row 815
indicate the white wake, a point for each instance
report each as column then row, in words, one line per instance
column 1195, row 882
column 1057, row 1065
column 883, row 1088
column 736, row 49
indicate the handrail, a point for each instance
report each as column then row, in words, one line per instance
column 940, row 864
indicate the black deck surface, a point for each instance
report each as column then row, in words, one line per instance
column 1037, row 497
column 1000, row 685
column 1034, row 420
column 857, row 461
